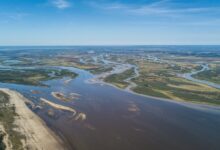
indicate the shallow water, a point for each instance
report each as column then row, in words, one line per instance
column 189, row 76
column 119, row 120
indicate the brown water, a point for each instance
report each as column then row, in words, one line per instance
column 118, row 120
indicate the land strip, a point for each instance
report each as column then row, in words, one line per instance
column 34, row 132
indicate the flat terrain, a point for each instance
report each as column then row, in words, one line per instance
column 74, row 96
column 159, row 71
column 33, row 76
column 158, row 79
column 119, row 79
column 159, row 76
column 212, row 75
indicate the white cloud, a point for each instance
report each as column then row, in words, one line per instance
column 160, row 8
column 61, row 4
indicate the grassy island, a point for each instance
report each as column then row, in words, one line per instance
column 33, row 76
column 119, row 79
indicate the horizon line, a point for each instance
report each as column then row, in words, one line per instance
column 110, row 45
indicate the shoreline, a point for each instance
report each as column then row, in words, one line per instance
column 59, row 107
column 37, row 135
column 99, row 79
column 194, row 105
column 189, row 76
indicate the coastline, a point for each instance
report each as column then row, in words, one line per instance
column 37, row 135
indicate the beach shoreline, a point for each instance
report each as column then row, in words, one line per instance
column 37, row 135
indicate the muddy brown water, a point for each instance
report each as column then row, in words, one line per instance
column 118, row 120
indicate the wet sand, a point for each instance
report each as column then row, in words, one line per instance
column 38, row 135
column 62, row 97
column 57, row 106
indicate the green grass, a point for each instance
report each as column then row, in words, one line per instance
column 212, row 75
column 33, row 76
column 146, row 90
column 100, row 70
column 118, row 79
column 158, row 85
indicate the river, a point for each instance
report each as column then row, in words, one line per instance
column 120, row 120
column 189, row 76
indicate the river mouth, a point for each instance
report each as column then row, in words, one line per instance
column 116, row 119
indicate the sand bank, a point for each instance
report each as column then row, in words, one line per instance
column 57, row 106
column 38, row 135
column 62, row 97
column 78, row 117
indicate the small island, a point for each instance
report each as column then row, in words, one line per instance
column 34, row 76
column 62, row 97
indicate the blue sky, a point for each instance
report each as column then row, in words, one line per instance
column 109, row 22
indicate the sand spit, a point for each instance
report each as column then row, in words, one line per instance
column 62, row 97
column 57, row 106
column 77, row 116
column 38, row 135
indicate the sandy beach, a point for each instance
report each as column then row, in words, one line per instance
column 38, row 135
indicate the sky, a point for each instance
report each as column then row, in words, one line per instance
column 109, row 22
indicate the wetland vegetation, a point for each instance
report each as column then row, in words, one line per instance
column 158, row 70
column 119, row 79
column 81, row 107
column 159, row 76
column 33, row 76
column 157, row 79
column 212, row 75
